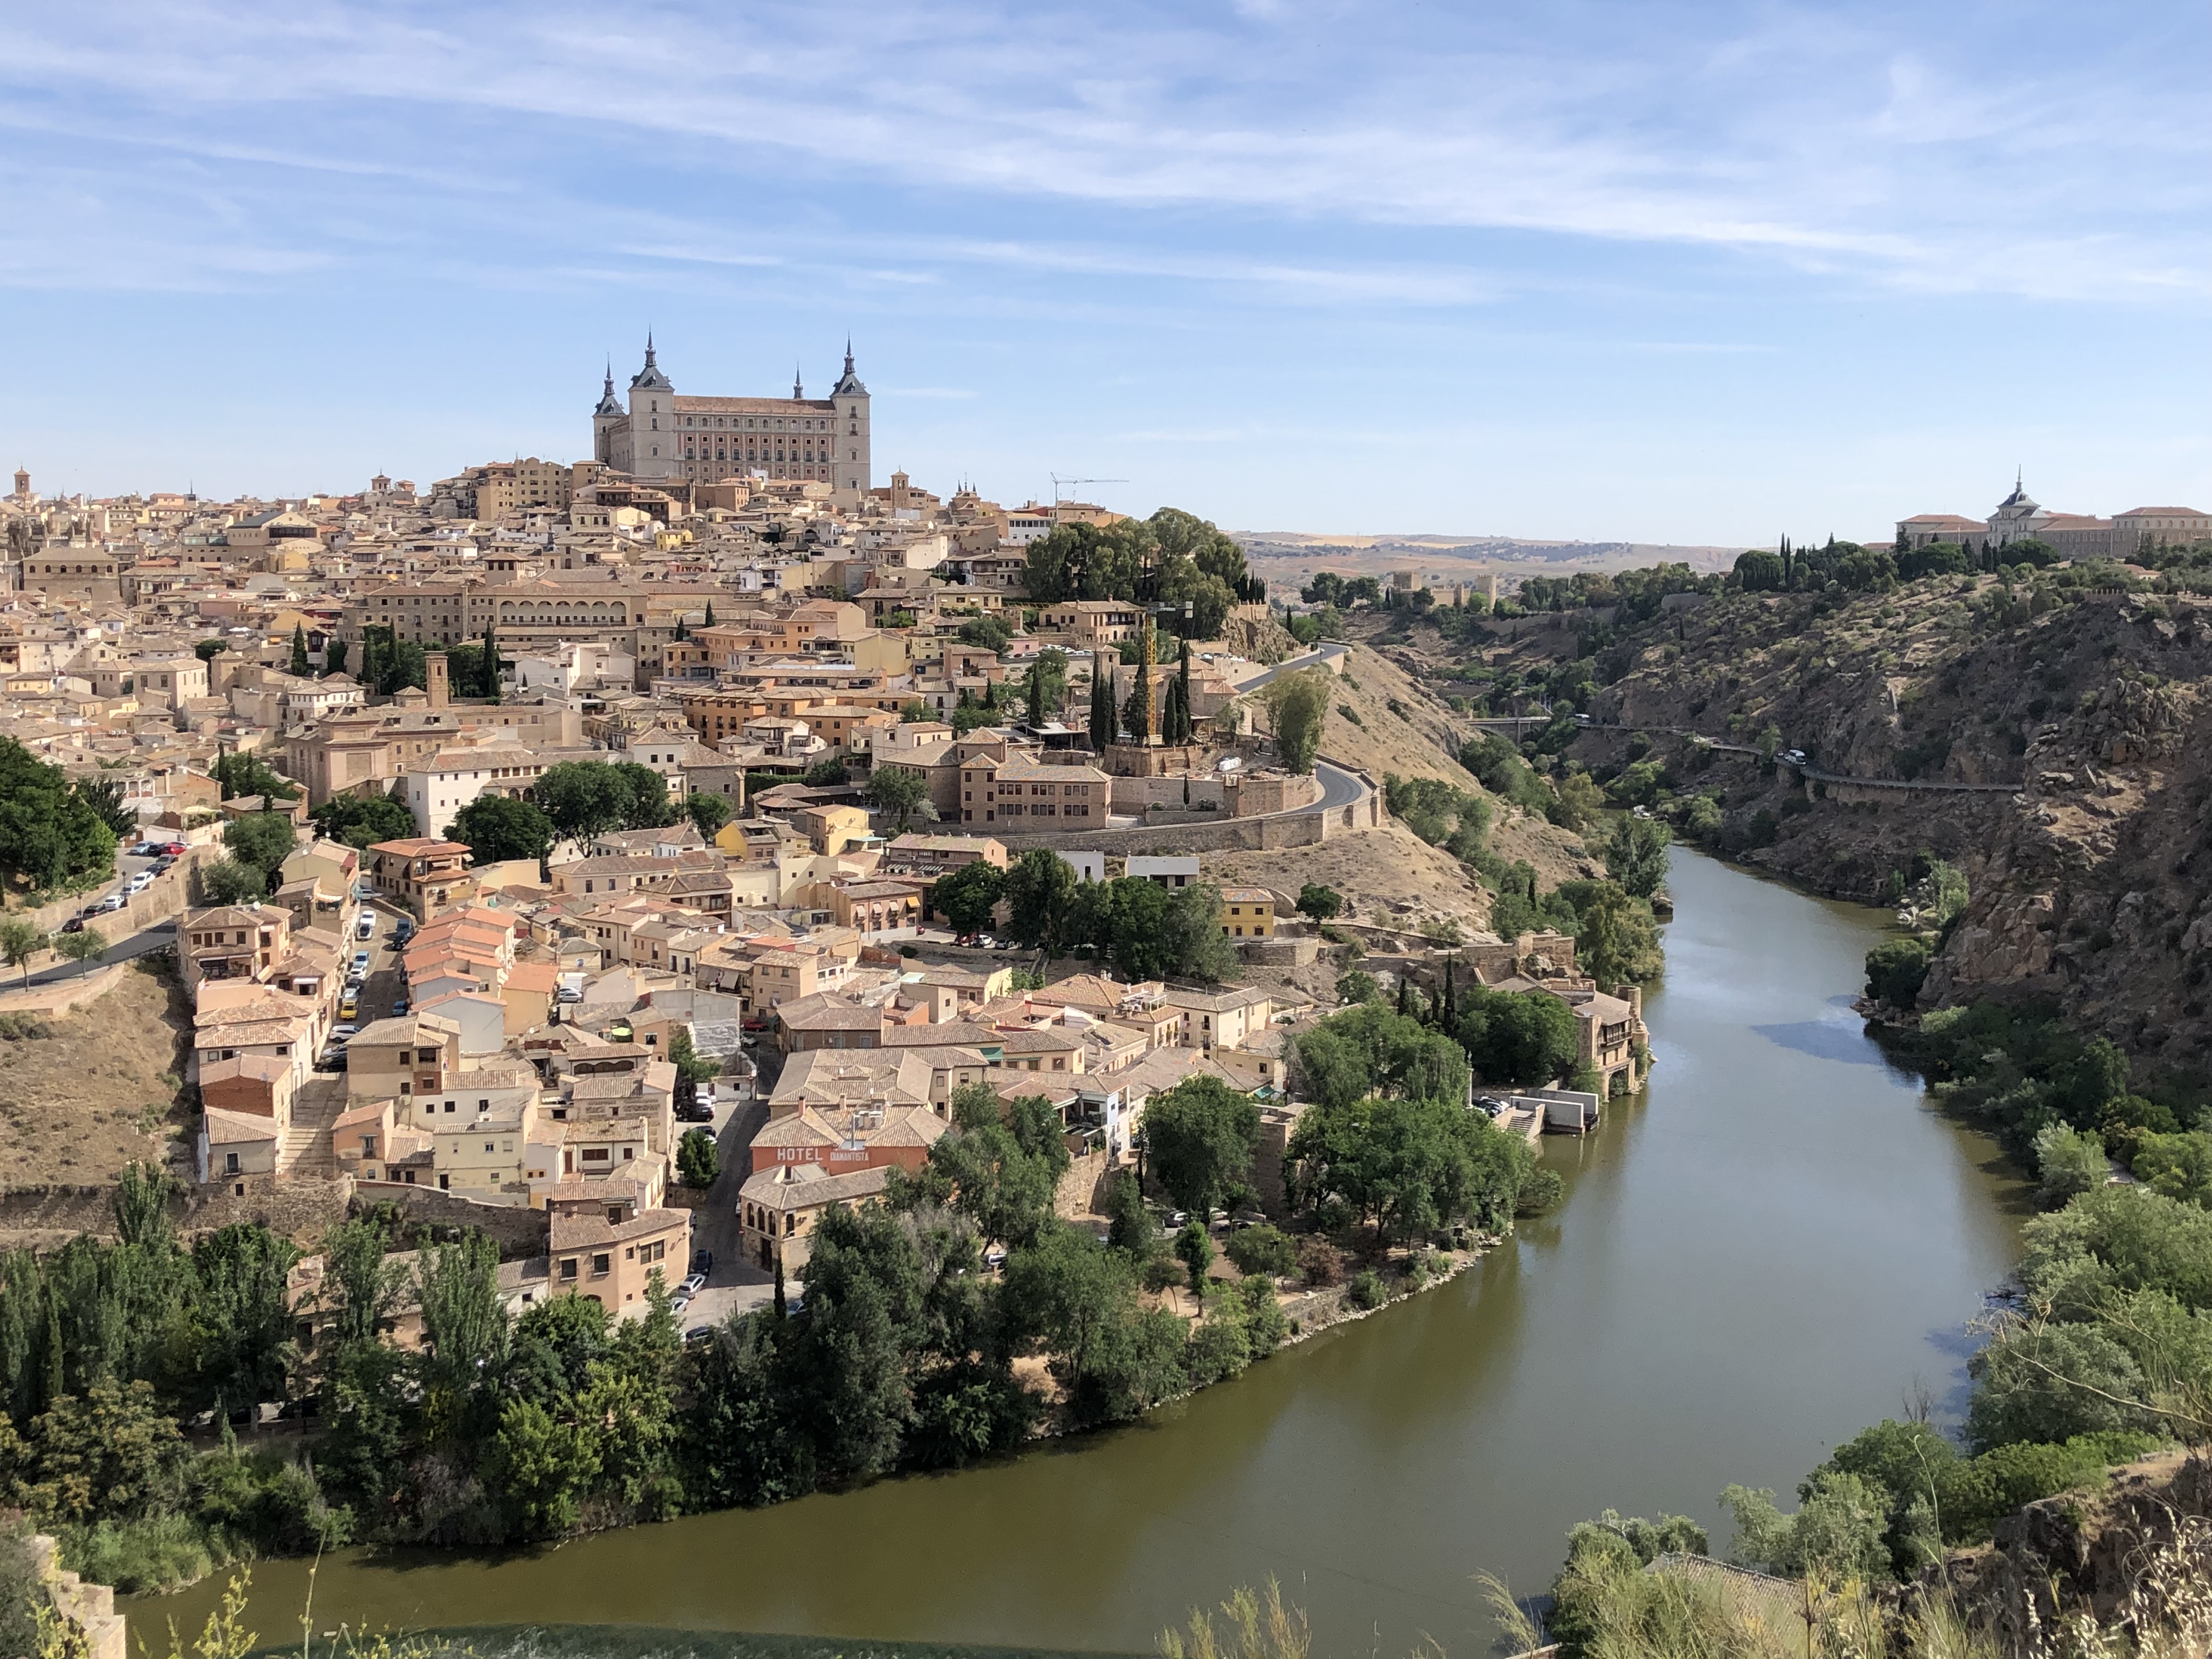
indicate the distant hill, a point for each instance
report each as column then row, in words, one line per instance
column 1284, row 553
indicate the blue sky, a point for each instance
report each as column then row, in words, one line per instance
column 1668, row 272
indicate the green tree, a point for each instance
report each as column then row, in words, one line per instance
column 1408, row 1166
column 1196, row 1251
column 2050, row 1383
column 1129, row 1226
column 1356, row 986
column 708, row 812
column 1758, row 571
column 362, row 821
column 1617, row 938
column 209, row 650
column 1371, row 1048
column 986, row 633
column 498, row 827
column 86, row 945
column 104, row 796
column 1039, row 894
column 1198, row 1138
column 902, row 795
column 1837, row 1529
column 50, row 833
column 240, row 1323
column 584, row 799
column 110, row 1454
column 1523, row 1040
column 967, row 896
column 1895, row 970
column 1636, row 854
column 334, row 657
column 2070, row 1161
column 1191, row 938
column 300, row 664
column 1297, row 707
column 264, row 840
column 1321, row 903
column 825, row 773
column 1267, row 1250
column 698, row 1159
column 1105, row 718
column 20, row 940
column 543, row 1466
column 229, row 881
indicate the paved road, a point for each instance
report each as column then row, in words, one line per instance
column 1339, row 787
column 1820, row 774
column 1320, row 656
column 733, row 1287
column 161, row 936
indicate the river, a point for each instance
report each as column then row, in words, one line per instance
column 1776, row 1246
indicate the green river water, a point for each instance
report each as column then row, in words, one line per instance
column 1774, row 1248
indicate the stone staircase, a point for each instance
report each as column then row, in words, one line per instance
column 307, row 1150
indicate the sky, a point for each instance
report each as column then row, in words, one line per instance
column 1652, row 271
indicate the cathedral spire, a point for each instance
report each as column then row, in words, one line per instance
column 798, row 392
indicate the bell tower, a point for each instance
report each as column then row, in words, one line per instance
column 653, row 440
column 851, row 474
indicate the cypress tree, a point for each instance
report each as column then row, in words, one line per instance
column 1141, row 697
column 1036, row 695
column 1404, row 994
column 488, row 667
column 334, row 657
column 56, row 1379
column 1446, row 1012
column 710, row 613
column 300, row 650
column 1103, row 725
column 1181, row 734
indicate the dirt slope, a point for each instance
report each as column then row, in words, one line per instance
column 83, row 1095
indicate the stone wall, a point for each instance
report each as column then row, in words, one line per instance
column 1082, row 1190
column 44, row 1216
column 519, row 1231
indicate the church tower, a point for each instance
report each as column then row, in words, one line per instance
column 606, row 423
column 654, row 447
column 852, row 474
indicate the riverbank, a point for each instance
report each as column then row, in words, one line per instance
column 1749, row 1266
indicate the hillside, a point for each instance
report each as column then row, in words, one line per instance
column 1385, row 721
column 2089, row 882
column 84, row 1095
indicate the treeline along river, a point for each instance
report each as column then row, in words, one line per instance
column 1774, row 1248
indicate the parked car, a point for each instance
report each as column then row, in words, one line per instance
column 400, row 1005
column 703, row 1261
column 139, row 882
column 144, row 849
column 693, row 1285
column 350, row 1007
column 108, row 905
column 696, row 1112
column 361, row 962
column 332, row 1058
column 679, row 1305
column 1794, row 756
column 345, row 1031
column 366, row 927
column 175, row 850
column 707, row 1094
column 699, row 1334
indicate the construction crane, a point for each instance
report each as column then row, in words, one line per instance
column 1057, row 482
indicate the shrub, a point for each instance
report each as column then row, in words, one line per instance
column 1367, row 1289
column 1542, row 1191
column 1895, row 971
column 1320, row 1263
column 1264, row 1250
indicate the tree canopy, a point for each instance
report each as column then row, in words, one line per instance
column 497, row 827
column 1198, row 1138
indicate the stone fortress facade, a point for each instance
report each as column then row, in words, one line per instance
column 663, row 435
column 2020, row 516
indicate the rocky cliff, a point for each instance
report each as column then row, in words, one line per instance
column 2092, row 886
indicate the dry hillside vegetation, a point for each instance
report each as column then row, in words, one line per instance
column 1399, row 727
column 83, row 1095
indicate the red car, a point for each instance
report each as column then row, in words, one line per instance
column 175, row 850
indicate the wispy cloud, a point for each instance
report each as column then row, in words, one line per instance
column 1831, row 141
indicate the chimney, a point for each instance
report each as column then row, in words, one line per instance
column 434, row 671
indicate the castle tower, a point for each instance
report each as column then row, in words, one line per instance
column 439, row 683
column 853, row 475
column 605, row 419
column 654, row 445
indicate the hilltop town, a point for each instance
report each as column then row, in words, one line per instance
column 504, row 832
